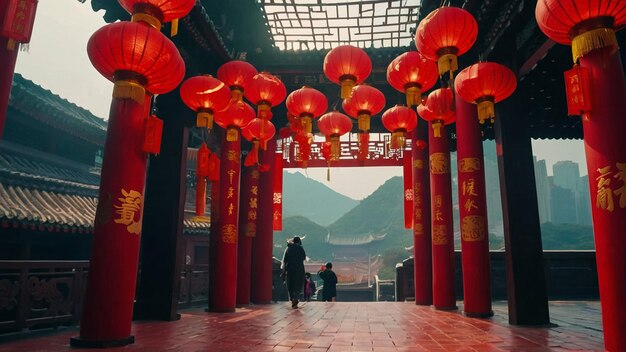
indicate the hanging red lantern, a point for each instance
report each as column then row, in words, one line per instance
column 147, row 61
column 258, row 131
column 444, row 34
column 333, row 125
column 347, row 65
column 214, row 167
column 364, row 102
column 265, row 91
column 202, row 171
column 153, row 131
column 18, row 21
column 234, row 119
column 412, row 73
column 484, row 84
column 305, row 104
column 155, row 12
column 237, row 75
column 205, row 95
column 438, row 108
column 284, row 132
column 585, row 25
column 399, row 120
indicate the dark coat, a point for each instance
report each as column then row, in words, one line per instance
column 330, row 284
column 293, row 263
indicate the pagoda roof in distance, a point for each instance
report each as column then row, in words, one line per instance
column 354, row 240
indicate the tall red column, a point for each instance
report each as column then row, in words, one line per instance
column 407, row 179
column 422, row 251
column 441, row 221
column 110, row 293
column 247, row 231
column 605, row 149
column 224, row 260
column 473, row 211
column 264, row 240
column 7, row 68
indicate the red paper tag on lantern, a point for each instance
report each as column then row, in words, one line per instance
column 153, row 131
column 18, row 20
column 577, row 90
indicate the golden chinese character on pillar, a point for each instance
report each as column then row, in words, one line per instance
column 473, row 228
column 231, row 209
column 469, row 187
column 233, row 155
column 254, row 190
column 440, row 163
column 469, row 205
column 440, row 235
column 231, row 193
column 621, row 176
column 418, row 230
column 231, row 173
column 469, row 164
column 229, row 234
column 252, row 215
column 604, row 196
column 253, row 203
column 129, row 212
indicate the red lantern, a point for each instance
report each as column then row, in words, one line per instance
column 364, row 102
column 586, row 25
column 155, row 12
column 412, row 73
column 438, row 108
column 258, row 131
column 399, row 120
column 304, row 141
column 347, row 65
column 306, row 103
column 202, row 171
column 205, row 95
column 235, row 118
column 237, row 75
column 17, row 24
column 265, row 91
column 485, row 83
column 147, row 60
column 333, row 125
column 444, row 34
column 284, row 132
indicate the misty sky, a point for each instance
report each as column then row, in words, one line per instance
column 57, row 60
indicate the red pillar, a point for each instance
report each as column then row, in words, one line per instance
column 224, row 259
column 473, row 211
column 422, row 254
column 407, row 179
column 7, row 67
column 247, row 231
column 264, row 240
column 441, row 221
column 200, row 195
column 605, row 149
column 110, row 293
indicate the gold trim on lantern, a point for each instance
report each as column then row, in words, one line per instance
column 346, row 87
column 306, row 122
column 236, row 93
column 364, row 121
column 204, row 119
column 413, row 95
column 123, row 89
column 11, row 44
column 232, row 134
column 447, row 63
column 591, row 40
column 486, row 110
column 263, row 108
column 437, row 124
column 148, row 19
column 334, row 147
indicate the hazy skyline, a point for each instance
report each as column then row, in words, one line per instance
column 57, row 60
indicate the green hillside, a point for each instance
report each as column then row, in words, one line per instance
column 566, row 236
column 306, row 197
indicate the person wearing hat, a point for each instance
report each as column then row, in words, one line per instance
column 293, row 269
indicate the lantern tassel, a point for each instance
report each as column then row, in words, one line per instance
column 413, row 96
column 174, row 28
column 437, row 129
column 204, row 119
column 328, row 171
column 232, row 134
column 397, row 140
column 594, row 39
column 447, row 63
column 364, row 139
column 263, row 110
column 253, row 156
column 236, row 95
column 486, row 111
column 11, row 44
column 364, row 122
column 307, row 126
column 334, row 147
column 346, row 87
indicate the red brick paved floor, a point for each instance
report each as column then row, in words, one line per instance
column 384, row 326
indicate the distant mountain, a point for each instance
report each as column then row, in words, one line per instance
column 311, row 199
column 567, row 237
column 314, row 241
column 382, row 212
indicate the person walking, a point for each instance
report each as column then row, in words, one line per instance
column 293, row 269
column 329, row 292
column 309, row 287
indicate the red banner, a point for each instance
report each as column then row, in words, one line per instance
column 577, row 90
column 407, row 172
column 277, row 199
column 18, row 20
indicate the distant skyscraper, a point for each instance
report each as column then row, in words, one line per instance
column 584, row 202
column 563, row 206
column 543, row 190
column 566, row 174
